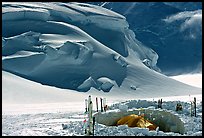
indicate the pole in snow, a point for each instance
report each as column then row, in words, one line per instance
column 86, row 111
column 161, row 103
column 90, row 122
column 104, row 104
column 89, row 99
column 93, row 124
column 101, row 104
column 191, row 109
column 195, row 106
column 96, row 104
column 86, row 106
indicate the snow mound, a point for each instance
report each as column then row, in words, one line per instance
column 123, row 107
column 103, row 83
column 87, row 84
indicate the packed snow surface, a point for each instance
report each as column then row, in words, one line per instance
column 50, row 123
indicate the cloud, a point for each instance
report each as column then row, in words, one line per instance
column 183, row 15
column 195, row 20
column 191, row 22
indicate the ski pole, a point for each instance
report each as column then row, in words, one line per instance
column 86, row 106
column 161, row 103
column 104, row 104
column 96, row 104
column 90, row 107
column 195, row 106
column 93, row 124
column 101, row 104
column 191, row 109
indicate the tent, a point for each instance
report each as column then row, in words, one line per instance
column 134, row 120
column 167, row 121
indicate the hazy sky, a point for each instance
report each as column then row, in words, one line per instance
column 191, row 79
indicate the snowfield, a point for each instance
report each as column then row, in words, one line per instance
column 50, row 124
column 54, row 55
column 46, row 114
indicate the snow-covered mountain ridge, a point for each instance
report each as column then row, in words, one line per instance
column 168, row 28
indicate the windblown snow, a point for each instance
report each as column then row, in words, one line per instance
column 59, row 53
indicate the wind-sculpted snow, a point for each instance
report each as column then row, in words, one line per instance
column 104, row 25
column 58, row 53
column 25, row 13
column 79, row 47
column 28, row 41
column 64, row 65
column 103, row 84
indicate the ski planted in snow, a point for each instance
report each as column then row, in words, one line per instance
column 86, row 110
column 90, row 122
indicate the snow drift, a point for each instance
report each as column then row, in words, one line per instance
column 79, row 47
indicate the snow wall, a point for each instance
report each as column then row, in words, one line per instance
column 167, row 121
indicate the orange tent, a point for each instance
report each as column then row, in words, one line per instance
column 136, row 121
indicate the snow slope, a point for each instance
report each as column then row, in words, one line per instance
column 29, row 108
column 32, row 109
column 66, row 52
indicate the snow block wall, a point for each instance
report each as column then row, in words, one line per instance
column 167, row 121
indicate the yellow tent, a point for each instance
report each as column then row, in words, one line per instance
column 136, row 121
